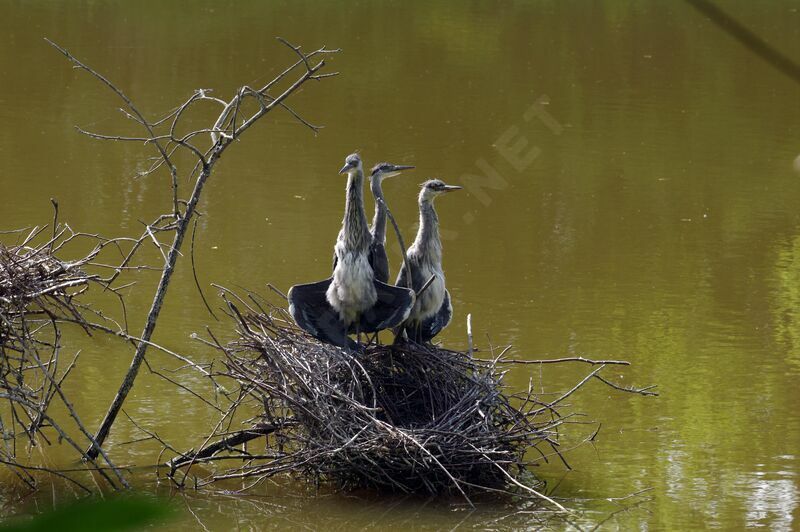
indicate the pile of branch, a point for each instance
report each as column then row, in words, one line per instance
column 409, row 419
column 38, row 294
column 34, row 282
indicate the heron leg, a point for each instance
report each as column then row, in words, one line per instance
column 400, row 335
column 418, row 333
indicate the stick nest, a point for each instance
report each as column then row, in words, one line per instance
column 39, row 293
column 411, row 418
column 33, row 282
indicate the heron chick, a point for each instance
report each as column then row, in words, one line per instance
column 432, row 310
column 353, row 290
column 377, row 247
column 352, row 301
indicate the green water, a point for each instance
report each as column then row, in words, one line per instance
column 650, row 214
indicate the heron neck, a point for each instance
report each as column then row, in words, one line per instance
column 379, row 220
column 355, row 220
column 428, row 241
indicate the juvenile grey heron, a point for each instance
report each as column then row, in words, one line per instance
column 352, row 301
column 432, row 311
column 377, row 247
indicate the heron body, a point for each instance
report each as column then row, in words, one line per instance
column 352, row 300
column 378, row 259
column 432, row 310
column 425, row 259
column 352, row 290
column 377, row 245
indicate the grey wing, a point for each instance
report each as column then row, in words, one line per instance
column 310, row 309
column 392, row 308
column 416, row 279
column 379, row 261
column 434, row 325
column 339, row 237
column 401, row 281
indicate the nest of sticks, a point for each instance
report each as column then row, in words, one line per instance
column 34, row 283
column 39, row 293
column 409, row 419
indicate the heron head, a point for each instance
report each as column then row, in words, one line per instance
column 352, row 163
column 383, row 170
column 434, row 187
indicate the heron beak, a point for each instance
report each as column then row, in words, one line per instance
column 451, row 188
column 397, row 169
column 344, row 169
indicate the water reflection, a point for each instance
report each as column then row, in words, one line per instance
column 786, row 302
column 771, row 503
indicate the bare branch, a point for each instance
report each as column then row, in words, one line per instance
column 138, row 116
column 205, row 163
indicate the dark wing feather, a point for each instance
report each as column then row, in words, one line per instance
column 434, row 325
column 310, row 309
column 416, row 279
column 392, row 308
column 379, row 261
column 339, row 237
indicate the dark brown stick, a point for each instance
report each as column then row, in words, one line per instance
column 227, row 443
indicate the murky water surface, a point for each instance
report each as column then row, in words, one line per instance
column 641, row 204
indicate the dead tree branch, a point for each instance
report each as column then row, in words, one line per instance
column 228, row 127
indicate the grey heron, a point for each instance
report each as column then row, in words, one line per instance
column 432, row 310
column 377, row 247
column 352, row 301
